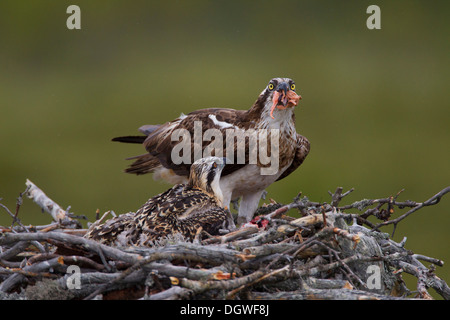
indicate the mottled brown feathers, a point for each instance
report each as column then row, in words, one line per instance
column 182, row 209
column 301, row 151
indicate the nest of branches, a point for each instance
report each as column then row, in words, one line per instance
column 331, row 251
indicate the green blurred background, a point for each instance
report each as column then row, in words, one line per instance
column 375, row 102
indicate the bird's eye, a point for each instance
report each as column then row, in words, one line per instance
column 292, row 87
column 271, row 86
column 214, row 165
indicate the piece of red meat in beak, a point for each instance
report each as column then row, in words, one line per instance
column 283, row 98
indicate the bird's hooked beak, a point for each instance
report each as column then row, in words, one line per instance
column 283, row 98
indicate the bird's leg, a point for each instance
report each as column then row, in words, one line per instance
column 248, row 206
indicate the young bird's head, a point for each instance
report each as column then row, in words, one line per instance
column 205, row 174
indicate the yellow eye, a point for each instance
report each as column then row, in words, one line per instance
column 214, row 165
column 292, row 86
column 271, row 86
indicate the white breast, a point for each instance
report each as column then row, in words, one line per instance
column 246, row 181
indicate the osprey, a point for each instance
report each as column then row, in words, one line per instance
column 182, row 209
column 261, row 145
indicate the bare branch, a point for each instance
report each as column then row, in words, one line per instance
column 416, row 206
column 324, row 253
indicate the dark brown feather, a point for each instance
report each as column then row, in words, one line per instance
column 160, row 145
column 130, row 139
column 145, row 163
column 302, row 150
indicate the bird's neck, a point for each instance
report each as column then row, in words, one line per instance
column 215, row 187
column 212, row 189
column 259, row 115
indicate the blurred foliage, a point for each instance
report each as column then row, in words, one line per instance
column 375, row 102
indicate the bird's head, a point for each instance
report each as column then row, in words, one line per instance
column 279, row 94
column 205, row 174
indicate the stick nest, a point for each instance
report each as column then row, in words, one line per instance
column 328, row 251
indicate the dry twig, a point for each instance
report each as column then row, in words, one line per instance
column 326, row 253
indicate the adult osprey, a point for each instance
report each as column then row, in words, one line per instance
column 279, row 149
column 182, row 209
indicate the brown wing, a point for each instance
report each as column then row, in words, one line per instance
column 144, row 163
column 159, row 143
column 302, row 150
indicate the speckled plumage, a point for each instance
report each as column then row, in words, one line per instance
column 182, row 209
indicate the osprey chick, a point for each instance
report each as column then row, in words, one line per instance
column 182, row 209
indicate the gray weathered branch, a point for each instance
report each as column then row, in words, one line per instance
column 326, row 253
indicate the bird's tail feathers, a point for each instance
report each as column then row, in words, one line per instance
column 130, row 139
column 145, row 163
